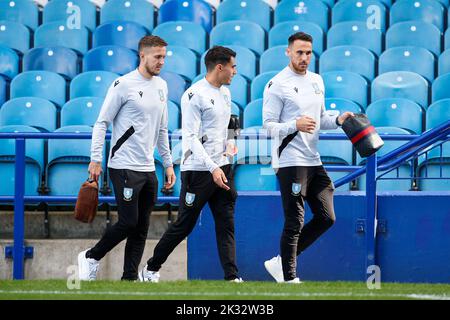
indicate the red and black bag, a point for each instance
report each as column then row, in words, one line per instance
column 362, row 134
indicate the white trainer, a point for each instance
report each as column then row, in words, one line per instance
column 275, row 268
column 148, row 276
column 87, row 267
column 295, row 280
column 238, row 280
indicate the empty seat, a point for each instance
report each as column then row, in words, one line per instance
column 30, row 111
column 335, row 151
column 440, row 88
column 447, row 39
column 196, row 11
column 248, row 177
column 429, row 11
column 9, row 62
column 55, row 59
column 355, row 33
column 121, row 33
column 259, row 83
column 256, row 11
column 444, row 63
column 276, row 59
column 177, row 85
column 253, row 114
column 54, row 34
column 73, row 12
column 349, row 58
column 242, row 33
column 371, row 11
column 347, row 85
column 245, row 61
column 342, row 105
column 42, row 84
column 181, row 60
column 14, row 35
column 91, row 84
column 3, row 90
column 81, row 111
column 438, row 113
column 21, row 11
column 139, row 11
column 401, row 84
column 115, row 59
column 174, row 116
column 414, row 33
column 183, row 33
column 414, row 59
column 34, row 162
column 396, row 112
column 281, row 32
column 306, row 10
column 434, row 168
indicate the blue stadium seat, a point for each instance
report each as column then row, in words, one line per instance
column 34, row 162
column 248, row 177
column 275, row 59
column 42, row 84
column 54, row 34
column 414, row 59
column 357, row 10
column 444, row 63
column 21, row 11
column 347, row 85
column 306, row 10
column 3, row 90
column 181, row 60
column 9, row 62
column 121, row 33
column 434, row 168
column 14, row 35
column 242, row 33
column 401, row 84
column 30, row 111
column 342, row 105
column 183, row 33
column 440, row 88
column 115, row 59
column 81, row 111
column 259, row 83
column 177, row 85
column 281, row 32
column 63, row 61
column 174, row 116
column 335, row 151
column 254, row 11
column 438, row 113
column 253, row 114
column 429, row 11
column 355, row 33
column 414, row 33
column 329, row 3
column 64, row 10
column 68, row 160
column 139, row 11
column 396, row 112
column 349, row 58
column 245, row 61
column 196, row 11
column 447, row 38
column 92, row 84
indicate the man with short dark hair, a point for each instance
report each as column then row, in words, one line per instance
column 294, row 112
column 206, row 173
column 136, row 104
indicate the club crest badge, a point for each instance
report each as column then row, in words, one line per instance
column 161, row 95
column 316, row 88
column 296, row 188
column 190, row 197
column 127, row 194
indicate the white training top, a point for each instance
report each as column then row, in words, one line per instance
column 137, row 108
column 206, row 112
column 289, row 96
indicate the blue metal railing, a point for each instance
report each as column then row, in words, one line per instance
column 413, row 147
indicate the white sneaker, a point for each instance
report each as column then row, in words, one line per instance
column 87, row 267
column 295, row 280
column 238, row 280
column 148, row 276
column 275, row 268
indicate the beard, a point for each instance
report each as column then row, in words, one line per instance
column 300, row 68
column 152, row 72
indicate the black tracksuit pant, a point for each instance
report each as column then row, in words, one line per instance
column 197, row 189
column 297, row 185
column 134, row 217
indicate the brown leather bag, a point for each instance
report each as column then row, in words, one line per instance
column 87, row 201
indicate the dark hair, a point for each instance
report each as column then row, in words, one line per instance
column 218, row 55
column 300, row 36
column 151, row 41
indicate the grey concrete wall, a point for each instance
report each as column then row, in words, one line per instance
column 52, row 258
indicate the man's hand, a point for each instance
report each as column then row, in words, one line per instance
column 170, row 175
column 344, row 117
column 306, row 124
column 231, row 150
column 220, row 179
column 95, row 170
